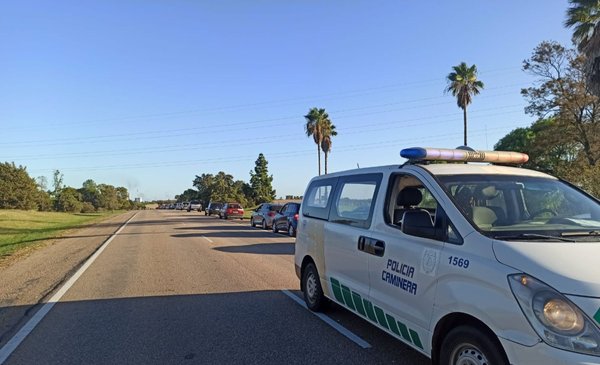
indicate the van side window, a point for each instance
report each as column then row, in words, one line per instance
column 411, row 207
column 353, row 204
column 318, row 198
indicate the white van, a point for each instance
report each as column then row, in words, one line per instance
column 466, row 263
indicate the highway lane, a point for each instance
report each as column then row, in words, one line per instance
column 177, row 287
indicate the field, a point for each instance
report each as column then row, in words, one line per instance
column 20, row 229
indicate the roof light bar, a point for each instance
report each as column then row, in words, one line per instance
column 446, row 154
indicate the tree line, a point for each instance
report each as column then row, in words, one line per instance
column 222, row 187
column 18, row 190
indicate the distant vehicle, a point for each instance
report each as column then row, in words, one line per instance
column 213, row 208
column 231, row 210
column 287, row 219
column 171, row 206
column 194, row 205
column 264, row 214
column 179, row 206
column 185, row 205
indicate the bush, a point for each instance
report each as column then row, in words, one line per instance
column 87, row 207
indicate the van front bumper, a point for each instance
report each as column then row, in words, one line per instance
column 542, row 353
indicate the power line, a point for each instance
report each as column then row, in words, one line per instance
column 330, row 96
column 354, row 147
column 363, row 128
column 185, row 131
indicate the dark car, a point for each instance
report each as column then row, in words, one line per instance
column 232, row 210
column 213, row 208
column 264, row 214
column 287, row 219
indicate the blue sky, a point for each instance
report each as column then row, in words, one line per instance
column 146, row 93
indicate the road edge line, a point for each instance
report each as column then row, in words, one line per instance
column 338, row 327
column 18, row 338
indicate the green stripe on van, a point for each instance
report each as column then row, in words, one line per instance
column 352, row 300
column 337, row 291
column 597, row 316
column 370, row 312
column 358, row 304
column 392, row 323
column 348, row 297
column 404, row 331
column 381, row 318
column 415, row 339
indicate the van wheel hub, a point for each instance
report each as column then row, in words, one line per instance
column 468, row 354
column 311, row 286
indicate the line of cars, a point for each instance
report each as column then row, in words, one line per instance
column 189, row 206
column 277, row 217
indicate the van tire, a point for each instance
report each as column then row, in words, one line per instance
column 472, row 346
column 311, row 287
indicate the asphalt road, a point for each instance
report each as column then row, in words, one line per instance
column 175, row 287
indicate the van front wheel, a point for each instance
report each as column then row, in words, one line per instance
column 311, row 287
column 469, row 345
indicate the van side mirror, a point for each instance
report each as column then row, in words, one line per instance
column 418, row 223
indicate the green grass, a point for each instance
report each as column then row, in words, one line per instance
column 20, row 229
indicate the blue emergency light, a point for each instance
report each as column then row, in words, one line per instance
column 465, row 155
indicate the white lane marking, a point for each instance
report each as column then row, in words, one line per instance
column 338, row 327
column 16, row 340
column 208, row 239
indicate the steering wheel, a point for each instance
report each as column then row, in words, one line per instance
column 545, row 210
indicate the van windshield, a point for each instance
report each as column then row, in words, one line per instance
column 507, row 204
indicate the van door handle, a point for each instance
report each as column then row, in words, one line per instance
column 371, row 246
column 378, row 248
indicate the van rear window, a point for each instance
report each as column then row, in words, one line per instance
column 318, row 198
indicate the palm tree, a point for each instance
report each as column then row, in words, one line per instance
column 584, row 16
column 315, row 120
column 463, row 84
column 328, row 131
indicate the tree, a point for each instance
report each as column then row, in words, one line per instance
column 17, row 189
column 69, row 200
column 584, row 16
column 222, row 187
column 108, row 197
column 561, row 91
column 328, row 132
column 123, row 198
column 187, row 195
column 463, row 85
column 261, row 181
column 90, row 193
column 315, row 119
column 541, row 141
column 57, row 183
column 204, row 183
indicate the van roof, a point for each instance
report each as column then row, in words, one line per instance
column 447, row 169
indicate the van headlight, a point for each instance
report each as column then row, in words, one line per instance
column 558, row 321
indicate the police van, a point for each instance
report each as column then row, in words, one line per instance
column 468, row 263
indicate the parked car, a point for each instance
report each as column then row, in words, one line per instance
column 264, row 214
column 179, row 206
column 194, row 205
column 213, row 208
column 231, row 210
column 287, row 219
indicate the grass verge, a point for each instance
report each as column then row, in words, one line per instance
column 20, row 229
